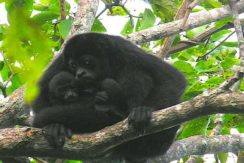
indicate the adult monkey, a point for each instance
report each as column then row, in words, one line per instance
column 147, row 82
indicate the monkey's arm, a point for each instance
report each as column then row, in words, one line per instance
column 72, row 116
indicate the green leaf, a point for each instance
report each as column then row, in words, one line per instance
column 214, row 3
column 239, row 122
column 214, row 81
column 128, row 28
column 2, row 29
column 242, row 85
column 195, row 31
column 118, row 11
column 64, row 27
column 228, row 122
column 16, row 82
column 219, row 35
column 1, row 65
column 223, row 157
column 209, row 4
column 32, row 51
column 164, row 9
column 72, row 161
column 207, row 66
column 44, row 16
column 5, row 72
column 223, row 22
column 195, row 127
column 184, row 67
column 40, row 7
column 98, row 26
column 26, row 7
column 230, row 44
column 194, row 88
column 229, row 62
column 147, row 20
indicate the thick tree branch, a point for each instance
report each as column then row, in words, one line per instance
column 194, row 20
column 13, row 110
column 85, row 16
column 200, row 145
column 30, row 142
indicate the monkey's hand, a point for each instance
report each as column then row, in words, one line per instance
column 139, row 118
column 56, row 134
column 101, row 97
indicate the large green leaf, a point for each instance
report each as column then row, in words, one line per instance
column 214, row 81
column 229, row 62
column 128, row 28
column 219, row 35
column 184, row 67
column 15, row 83
column 98, row 26
column 147, row 20
column 164, row 9
column 44, row 16
column 207, row 66
column 210, row 4
column 223, row 157
column 64, row 27
column 195, row 127
column 5, row 72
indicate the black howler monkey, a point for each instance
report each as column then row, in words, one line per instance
column 147, row 83
column 105, row 98
column 64, row 88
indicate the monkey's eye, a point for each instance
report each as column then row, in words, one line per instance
column 73, row 65
column 87, row 62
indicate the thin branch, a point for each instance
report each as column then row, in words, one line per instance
column 62, row 9
column 169, row 40
column 198, row 39
column 118, row 3
column 3, row 86
column 218, row 122
column 3, row 89
column 188, row 11
column 205, row 55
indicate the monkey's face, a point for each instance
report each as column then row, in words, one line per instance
column 87, row 57
column 84, row 68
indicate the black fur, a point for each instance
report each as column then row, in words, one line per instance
column 62, row 89
column 65, row 89
column 146, row 81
